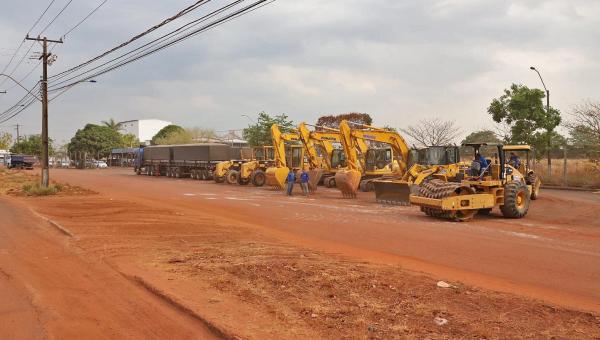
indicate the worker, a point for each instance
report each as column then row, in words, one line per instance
column 291, row 179
column 483, row 164
column 514, row 160
column 304, row 182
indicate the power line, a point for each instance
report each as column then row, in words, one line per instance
column 138, row 36
column 85, row 18
column 154, row 49
column 55, row 17
column 40, row 17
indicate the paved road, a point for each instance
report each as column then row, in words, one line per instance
column 49, row 291
column 553, row 254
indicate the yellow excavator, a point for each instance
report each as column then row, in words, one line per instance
column 323, row 158
column 376, row 163
column 434, row 162
column 288, row 157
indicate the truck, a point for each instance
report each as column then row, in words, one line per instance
column 196, row 161
column 21, row 161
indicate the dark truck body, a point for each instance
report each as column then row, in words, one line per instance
column 180, row 161
column 22, row 162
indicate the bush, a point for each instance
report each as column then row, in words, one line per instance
column 36, row 189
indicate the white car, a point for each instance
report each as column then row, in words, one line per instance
column 100, row 164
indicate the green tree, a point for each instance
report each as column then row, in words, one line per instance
column 530, row 122
column 5, row 140
column 130, row 140
column 482, row 136
column 333, row 121
column 260, row 133
column 176, row 137
column 95, row 140
column 111, row 123
column 166, row 131
column 31, row 145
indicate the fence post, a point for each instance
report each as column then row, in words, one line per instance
column 565, row 165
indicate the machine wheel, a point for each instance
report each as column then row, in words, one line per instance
column 516, row 200
column 232, row 176
column 533, row 180
column 366, row 185
column 219, row 179
column 201, row 174
column 439, row 189
column 258, row 178
column 243, row 181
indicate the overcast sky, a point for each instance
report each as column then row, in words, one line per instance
column 398, row 60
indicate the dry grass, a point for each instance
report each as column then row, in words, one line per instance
column 580, row 173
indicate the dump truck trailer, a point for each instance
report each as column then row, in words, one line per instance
column 197, row 161
column 22, row 162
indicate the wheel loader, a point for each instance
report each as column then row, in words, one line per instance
column 434, row 162
column 525, row 167
column 376, row 163
column 289, row 155
column 489, row 184
column 233, row 171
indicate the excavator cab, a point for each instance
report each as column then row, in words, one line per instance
column 338, row 159
column 378, row 159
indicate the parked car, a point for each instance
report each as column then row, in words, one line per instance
column 100, row 164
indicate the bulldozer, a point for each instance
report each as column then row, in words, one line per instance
column 487, row 185
column 376, row 162
column 434, row 162
column 288, row 157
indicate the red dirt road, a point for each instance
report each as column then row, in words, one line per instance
column 553, row 254
column 48, row 292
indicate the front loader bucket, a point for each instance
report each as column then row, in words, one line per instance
column 347, row 181
column 393, row 191
column 314, row 177
column 275, row 177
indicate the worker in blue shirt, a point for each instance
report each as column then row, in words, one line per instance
column 482, row 162
column 514, row 161
column 291, row 178
column 304, row 182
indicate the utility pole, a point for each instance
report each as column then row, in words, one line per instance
column 44, row 88
column 18, row 136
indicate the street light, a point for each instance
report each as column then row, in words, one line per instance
column 548, row 112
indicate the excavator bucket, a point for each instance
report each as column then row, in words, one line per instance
column 392, row 191
column 275, row 177
column 347, row 181
column 314, row 177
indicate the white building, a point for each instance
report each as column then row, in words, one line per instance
column 143, row 129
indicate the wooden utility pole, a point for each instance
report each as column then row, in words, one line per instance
column 44, row 88
column 18, row 135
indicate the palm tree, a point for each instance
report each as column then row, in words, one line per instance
column 112, row 124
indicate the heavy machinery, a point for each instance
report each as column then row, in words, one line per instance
column 287, row 157
column 526, row 168
column 434, row 162
column 323, row 158
column 254, row 171
column 240, row 170
column 489, row 184
column 377, row 162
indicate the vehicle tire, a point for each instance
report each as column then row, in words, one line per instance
column 243, row 181
column 150, row 170
column 194, row 174
column 232, row 176
column 516, row 200
column 331, row 182
column 533, row 180
column 258, row 178
column 177, row 172
column 366, row 185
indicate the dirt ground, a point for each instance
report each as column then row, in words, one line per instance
column 248, row 262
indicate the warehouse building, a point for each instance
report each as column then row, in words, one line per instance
column 143, row 129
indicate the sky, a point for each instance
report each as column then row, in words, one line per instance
column 400, row 61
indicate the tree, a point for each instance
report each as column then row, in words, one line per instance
column 202, row 135
column 333, row 121
column 482, row 136
column 259, row 134
column 130, row 140
column 5, row 140
column 523, row 109
column 175, row 137
column 432, row 132
column 166, row 131
column 31, row 145
column 584, row 126
column 111, row 123
column 95, row 140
